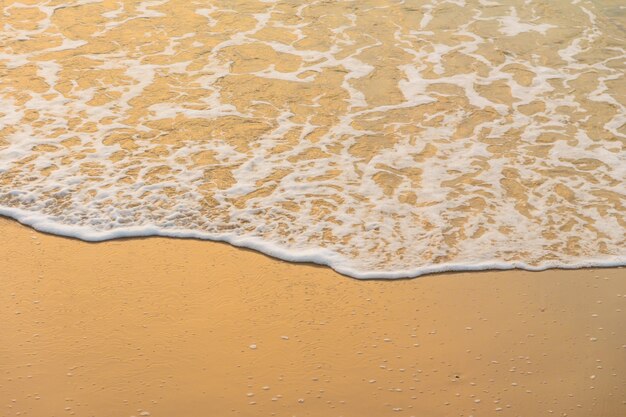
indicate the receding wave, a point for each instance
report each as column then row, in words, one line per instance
column 384, row 138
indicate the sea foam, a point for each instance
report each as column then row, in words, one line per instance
column 383, row 139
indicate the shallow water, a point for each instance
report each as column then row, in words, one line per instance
column 383, row 138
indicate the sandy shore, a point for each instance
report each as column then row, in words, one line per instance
column 167, row 327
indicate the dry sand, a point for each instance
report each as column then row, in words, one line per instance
column 167, row 327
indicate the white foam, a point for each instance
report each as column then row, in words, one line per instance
column 512, row 26
column 317, row 256
column 376, row 230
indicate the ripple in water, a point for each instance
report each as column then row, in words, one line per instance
column 383, row 138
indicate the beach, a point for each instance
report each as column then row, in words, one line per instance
column 289, row 208
column 174, row 327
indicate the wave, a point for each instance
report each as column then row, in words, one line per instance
column 383, row 139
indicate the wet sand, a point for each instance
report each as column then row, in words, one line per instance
column 166, row 327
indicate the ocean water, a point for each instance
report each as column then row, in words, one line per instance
column 384, row 138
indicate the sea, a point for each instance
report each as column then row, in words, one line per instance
column 383, row 138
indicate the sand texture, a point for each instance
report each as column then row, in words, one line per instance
column 186, row 328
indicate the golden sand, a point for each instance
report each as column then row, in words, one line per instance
column 186, row 328
column 498, row 125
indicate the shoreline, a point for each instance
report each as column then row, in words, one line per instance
column 320, row 256
column 185, row 327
